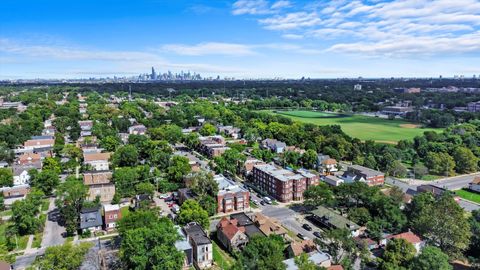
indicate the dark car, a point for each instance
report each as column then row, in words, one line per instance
column 307, row 227
column 317, row 234
column 301, row 236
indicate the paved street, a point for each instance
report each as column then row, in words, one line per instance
column 457, row 182
column 290, row 219
column 451, row 183
column 53, row 232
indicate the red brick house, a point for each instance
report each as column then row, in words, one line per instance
column 111, row 215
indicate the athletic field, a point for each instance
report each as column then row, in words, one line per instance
column 359, row 126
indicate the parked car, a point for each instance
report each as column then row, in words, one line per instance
column 307, row 227
column 262, row 202
column 301, row 236
column 317, row 234
column 267, row 200
column 164, row 196
column 169, row 199
column 254, row 201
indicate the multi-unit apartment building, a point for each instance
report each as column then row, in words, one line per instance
column 99, row 184
column 98, row 161
column 284, row 185
column 231, row 197
column 213, row 146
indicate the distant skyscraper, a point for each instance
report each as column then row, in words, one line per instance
column 154, row 74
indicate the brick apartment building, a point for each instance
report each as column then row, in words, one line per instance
column 284, row 185
column 213, row 146
column 231, row 197
column 99, row 184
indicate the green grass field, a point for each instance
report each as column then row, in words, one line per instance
column 468, row 195
column 359, row 126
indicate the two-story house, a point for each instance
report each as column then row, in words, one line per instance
column 98, row 161
column 201, row 245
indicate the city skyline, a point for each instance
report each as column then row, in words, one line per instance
column 241, row 39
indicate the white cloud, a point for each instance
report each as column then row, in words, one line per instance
column 418, row 45
column 235, row 49
column 292, row 36
column 253, row 7
column 281, row 4
column 70, row 53
column 209, row 48
column 398, row 27
column 291, row 21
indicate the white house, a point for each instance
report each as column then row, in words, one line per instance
column 98, row 161
column 201, row 245
column 409, row 237
column 21, row 176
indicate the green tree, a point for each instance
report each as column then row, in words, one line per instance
column 309, row 159
column 452, row 234
column 179, row 167
column 431, row 258
column 202, row 183
column 46, row 180
column 397, row 169
column 70, row 197
column 171, row 133
column 207, row 129
column 148, row 242
column 24, row 213
column 145, row 188
column 110, row 143
column 262, row 253
column 320, row 194
column 6, row 177
column 2, row 202
column 440, row 163
column 339, row 244
column 465, row 160
column 420, row 170
column 398, row 254
column 125, row 179
column 125, row 156
column 303, row 263
column 192, row 211
column 474, row 249
column 64, row 257
column 359, row 215
column 52, row 164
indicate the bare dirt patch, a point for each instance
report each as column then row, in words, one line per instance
column 409, row 126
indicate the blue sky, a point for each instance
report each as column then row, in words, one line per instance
column 242, row 38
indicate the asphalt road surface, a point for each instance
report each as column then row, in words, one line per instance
column 452, row 183
column 53, row 232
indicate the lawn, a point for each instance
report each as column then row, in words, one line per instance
column 221, row 258
column 37, row 240
column 360, row 126
column 469, row 195
column 125, row 211
column 6, row 213
column 45, row 204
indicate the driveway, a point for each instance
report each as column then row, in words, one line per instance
column 53, row 231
